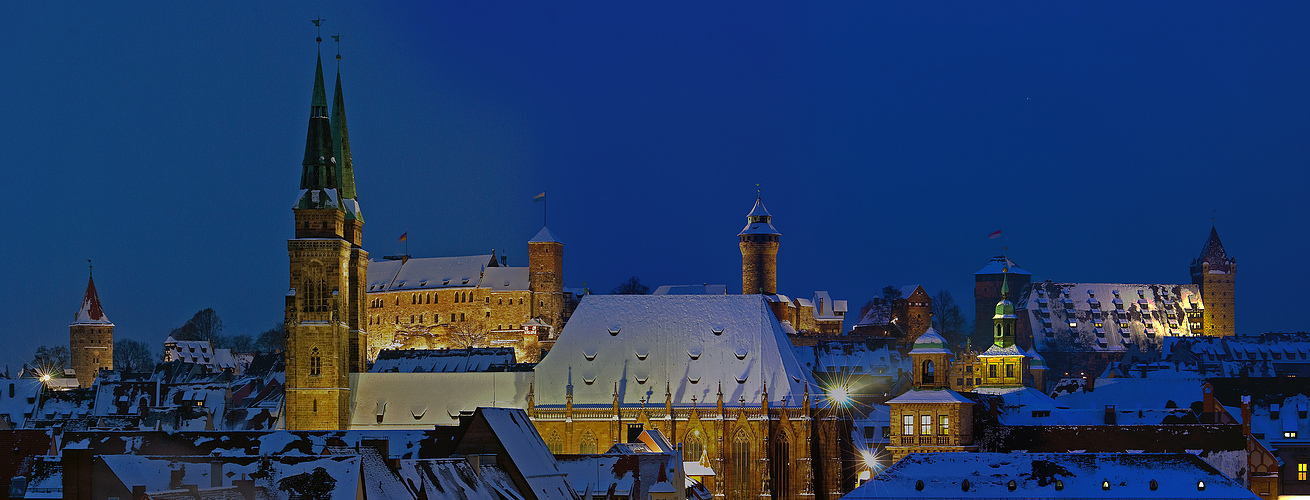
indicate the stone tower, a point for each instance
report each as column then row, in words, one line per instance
column 987, row 292
column 759, row 252
column 1215, row 272
column 546, row 279
column 90, row 339
column 324, row 305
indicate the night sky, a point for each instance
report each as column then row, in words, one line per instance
column 164, row 142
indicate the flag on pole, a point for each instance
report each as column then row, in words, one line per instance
column 540, row 197
column 994, row 235
column 404, row 237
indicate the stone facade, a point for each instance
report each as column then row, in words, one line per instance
column 931, row 428
column 757, row 451
column 546, row 279
column 759, row 252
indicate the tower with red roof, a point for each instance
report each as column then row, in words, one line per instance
column 90, row 339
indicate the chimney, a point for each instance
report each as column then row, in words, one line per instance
column 138, row 491
column 474, row 462
column 193, row 490
column 246, row 487
column 175, row 479
column 1246, row 416
column 216, row 474
column 1111, row 418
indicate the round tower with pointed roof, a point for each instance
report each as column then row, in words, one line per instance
column 759, row 252
column 90, row 339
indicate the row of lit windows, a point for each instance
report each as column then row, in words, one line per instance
column 925, row 425
column 435, row 298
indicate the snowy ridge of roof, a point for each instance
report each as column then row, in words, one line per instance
column 421, row 400
column 996, row 351
column 91, row 313
column 528, row 451
column 705, row 289
column 500, row 279
column 441, row 360
column 930, row 396
column 545, row 236
column 456, row 478
column 1131, row 393
column 1035, row 475
column 997, row 266
column 690, row 345
column 1048, row 313
column 425, row 273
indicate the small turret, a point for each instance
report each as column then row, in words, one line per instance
column 759, row 252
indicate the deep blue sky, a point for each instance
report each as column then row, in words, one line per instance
column 164, row 142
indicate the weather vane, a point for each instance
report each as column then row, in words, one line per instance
column 90, row 268
column 319, row 23
column 337, row 38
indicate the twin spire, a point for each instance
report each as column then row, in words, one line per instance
column 327, row 178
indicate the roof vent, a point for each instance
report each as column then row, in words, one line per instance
column 1059, row 485
column 1154, row 485
column 642, row 380
column 588, row 381
column 1012, row 485
column 693, row 380
column 718, row 330
column 1105, row 485
column 918, row 485
column 964, row 485
column 642, row 355
column 1200, row 486
column 614, row 330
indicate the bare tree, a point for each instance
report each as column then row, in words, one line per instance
column 133, row 356
column 947, row 318
column 272, row 340
column 631, row 287
column 203, row 325
column 241, row 344
column 467, row 334
column 51, row 360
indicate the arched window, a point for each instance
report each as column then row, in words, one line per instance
column 315, row 285
column 929, row 372
column 692, row 449
column 315, row 362
column 413, row 299
column 555, row 443
column 429, row 298
column 741, row 466
column 588, row 444
column 781, row 467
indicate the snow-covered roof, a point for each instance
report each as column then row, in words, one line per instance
column 426, row 273
column 442, row 360
column 91, row 312
column 500, row 279
column 997, row 266
column 930, row 342
column 908, row 290
column 544, row 236
column 930, row 396
column 457, row 478
column 998, row 351
column 528, row 450
column 693, row 345
column 1129, row 393
column 705, row 289
column 826, row 308
column 1050, row 475
column 155, row 473
column 1129, row 313
column 421, row 400
column 762, row 226
column 25, row 392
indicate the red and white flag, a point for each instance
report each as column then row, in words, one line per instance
column 994, row 235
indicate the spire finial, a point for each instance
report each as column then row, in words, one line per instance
column 90, row 269
column 319, row 23
column 337, row 38
column 757, row 191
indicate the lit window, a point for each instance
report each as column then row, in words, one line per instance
column 907, row 425
column 925, row 425
column 943, row 425
column 1289, row 434
column 1300, row 472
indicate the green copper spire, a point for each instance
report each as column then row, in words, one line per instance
column 318, row 177
column 341, row 151
column 1004, row 321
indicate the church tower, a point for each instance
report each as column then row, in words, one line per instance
column 90, row 339
column 1004, row 363
column 324, row 305
column 759, row 252
column 546, row 279
column 1215, row 272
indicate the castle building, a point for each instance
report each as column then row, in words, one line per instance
column 325, row 314
column 1215, row 272
column 90, row 339
column 470, row 301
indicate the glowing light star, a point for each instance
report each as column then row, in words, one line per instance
column 45, row 378
column 840, row 396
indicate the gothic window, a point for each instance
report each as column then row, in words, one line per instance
column 692, row 449
column 420, row 319
column 741, row 466
column 315, row 362
column 500, row 302
column 555, row 443
column 588, row 444
column 316, row 293
column 520, row 301
column 429, row 298
column 413, row 299
column 781, row 462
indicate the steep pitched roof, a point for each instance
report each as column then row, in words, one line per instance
column 341, row 151
column 689, row 345
column 544, row 236
column 91, row 313
column 997, row 266
column 1212, row 253
column 759, row 220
